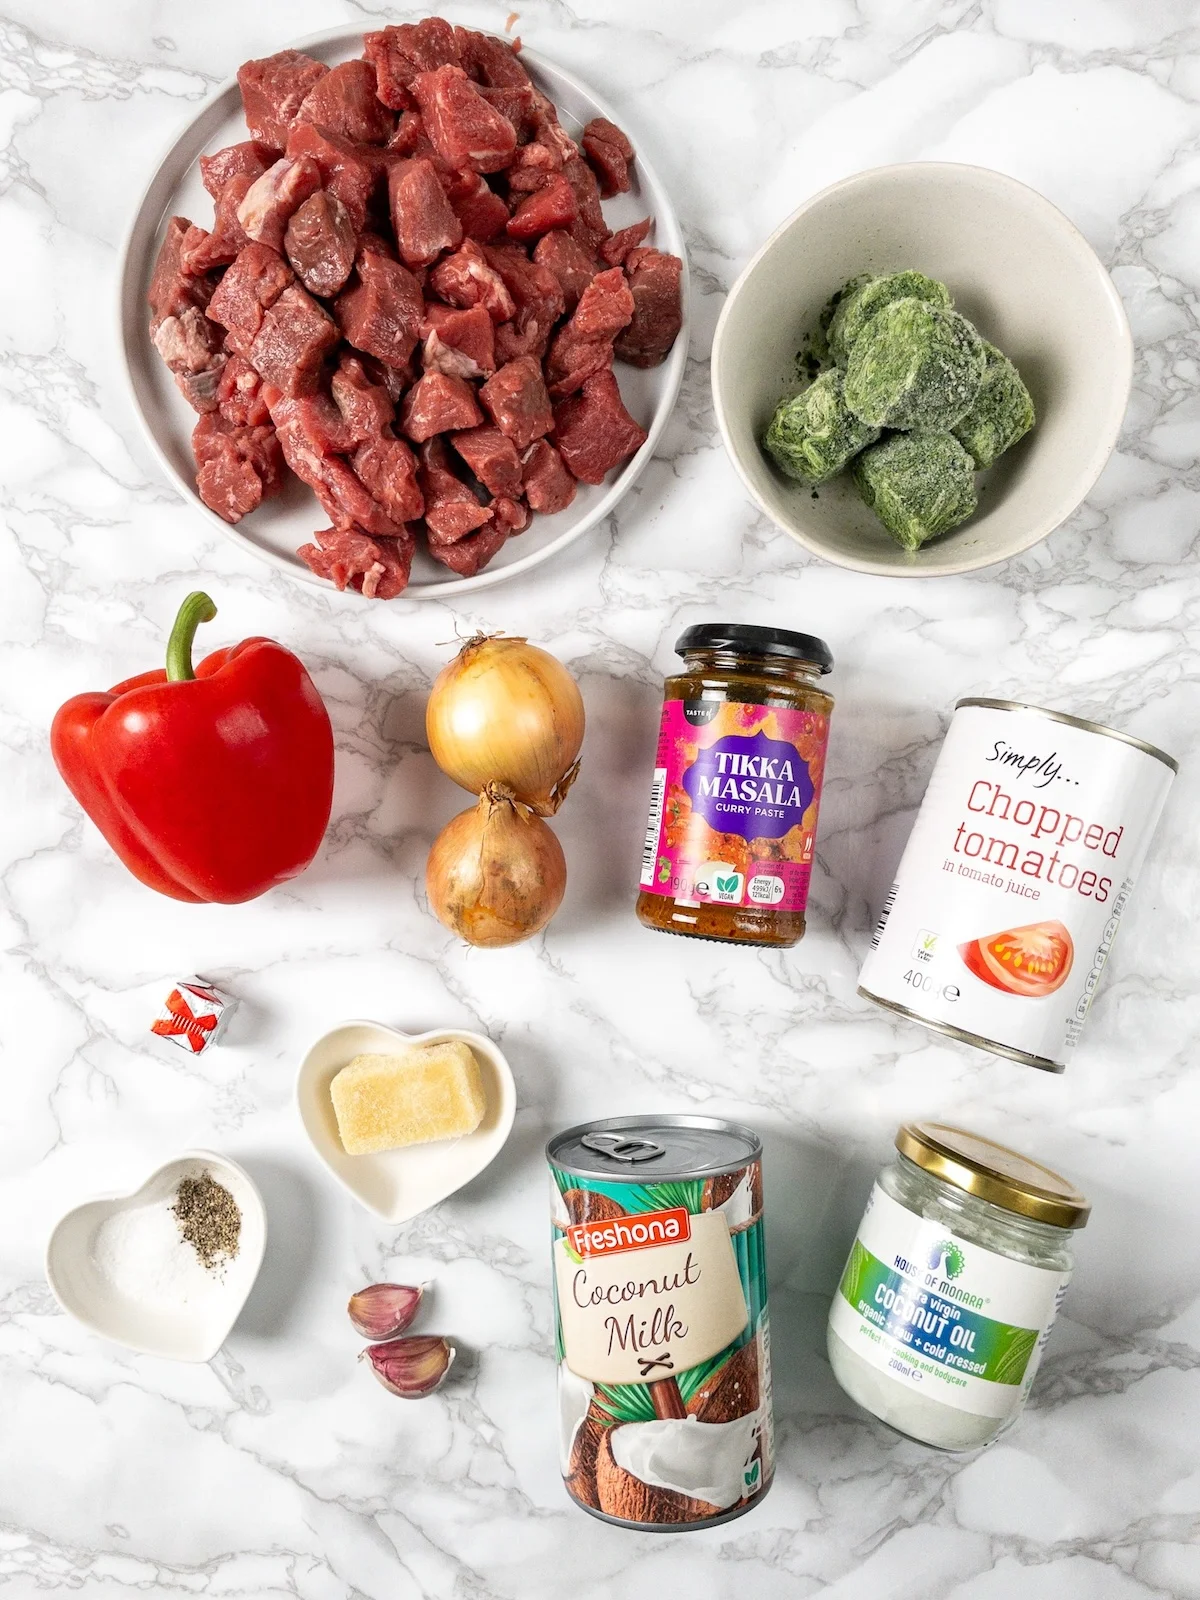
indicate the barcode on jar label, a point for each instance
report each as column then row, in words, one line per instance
column 883, row 916
column 658, row 790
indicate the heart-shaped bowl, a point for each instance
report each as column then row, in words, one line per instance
column 187, row 1316
column 399, row 1184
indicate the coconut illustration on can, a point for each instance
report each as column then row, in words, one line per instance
column 664, row 1377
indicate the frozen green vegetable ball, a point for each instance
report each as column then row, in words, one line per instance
column 918, row 484
column 914, row 366
column 862, row 298
column 831, row 308
column 1001, row 414
column 813, row 435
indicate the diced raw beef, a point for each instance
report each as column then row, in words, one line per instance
column 320, row 243
column 248, row 157
column 290, row 347
column 394, row 380
column 470, row 555
column 549, row 487
column 466, row 131
column 352, row 560
column 271, row 199
column 536, row 294
column 238, row 467
column 410, row 138
column 250, row 286
column 422, row 217
column 517, row 402
column 509, row 514
column 467, row 278
column 620, row 246
column 398, row 54
column 191, row 346
column 594, row 432
column 655, row 281
column 344, row 102
column 438, row 404
column 384, row 312
column 388, row 469
column 547, row 129
column 204, row 251
column 490, row 60
column 532, row 168
column 459, row 343
column 172, row 287
column 585, row 345
column 514, row 101
column 311, row 423
column 451, row 510
column 348, row 170
column 310, row 432
column 570, row 263
column 273, row 90
column 239, row 394
column 366, row 407
column 552, row 206
column 492, row 457
column 609, row 153
column 480, row 210
column 590, row 229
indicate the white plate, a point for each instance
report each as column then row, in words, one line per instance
column 191, row 1332
column 398, row 1184
column 276, row 530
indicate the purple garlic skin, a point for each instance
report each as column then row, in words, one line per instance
column 383, row 1310
column 411, row 1367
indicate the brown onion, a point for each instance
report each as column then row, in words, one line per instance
column 506, row 712
column 496, row 873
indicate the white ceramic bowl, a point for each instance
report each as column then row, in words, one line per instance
column 157, row 1324
column 1017, row 268
column 277, row 528
column 398, row 1184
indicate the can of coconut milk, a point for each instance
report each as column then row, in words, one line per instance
column 1011, row 887
column 663, row 1349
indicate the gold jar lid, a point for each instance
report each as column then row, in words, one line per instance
column 994, row 1173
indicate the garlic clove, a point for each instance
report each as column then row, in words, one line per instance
column 411, row 1367
column 383, row 1310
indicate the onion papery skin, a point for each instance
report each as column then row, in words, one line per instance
column 496, row 873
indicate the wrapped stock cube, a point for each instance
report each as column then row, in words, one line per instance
column 194, row 1016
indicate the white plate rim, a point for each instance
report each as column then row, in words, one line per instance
column 130, row 278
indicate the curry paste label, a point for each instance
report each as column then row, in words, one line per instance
column 733, row 809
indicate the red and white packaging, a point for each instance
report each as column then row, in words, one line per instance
column 193, row 1016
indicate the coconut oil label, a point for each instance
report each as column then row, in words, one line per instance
column 941, row 1314
column 733, row 812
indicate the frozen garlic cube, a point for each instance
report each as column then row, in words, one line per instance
column 433, row 1091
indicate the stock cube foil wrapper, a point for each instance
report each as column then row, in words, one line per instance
column 194, row 1016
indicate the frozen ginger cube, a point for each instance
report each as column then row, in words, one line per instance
column 433, row 1091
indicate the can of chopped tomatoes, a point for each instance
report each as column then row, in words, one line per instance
column 1007, row 899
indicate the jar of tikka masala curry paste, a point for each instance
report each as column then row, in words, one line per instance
column 737, row 784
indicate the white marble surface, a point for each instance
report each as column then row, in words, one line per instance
column 281, row 1468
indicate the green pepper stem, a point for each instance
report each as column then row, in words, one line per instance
column 197, row 608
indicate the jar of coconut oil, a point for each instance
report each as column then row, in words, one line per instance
column 960, row 1264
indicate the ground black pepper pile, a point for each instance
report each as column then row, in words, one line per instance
column 208, row 1219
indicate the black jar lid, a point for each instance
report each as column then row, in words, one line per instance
column 746, row 640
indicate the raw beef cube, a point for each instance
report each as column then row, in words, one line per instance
column 308, row 424
column 459, row 343
column 366, row 407
column 305, row 431
column 384, row 312
column 552, row 206
column 239, row 394
column 320, row 243
column 238, row 467
column 394, row 380
column 470, row 555
column 490, row 60
column 344, row 102
column 509, row 514
column 353, row 560
column 516, row 102
column 609, row 153
column 290, row 347
column 549, row 487
column 655, row 281
column 593, row 430
column 492, row 457
column 467, row 279
column 399, row 54
column 191, row 347
column 466, row 131
column 547, row 129
column 250, row 286
column 585, row 345
column 532, row 168
column 536, row 294
column 423, row 220
column 570, row 263
column 172, row 288
column 248, row 157
column 480, row 210
column 271, row 199
column 221, row 246
column 388, row 469
column 438, row 404
column 348, row 170
column 273, row 90
column 591, row 230
column 410, row 138
column 517, row 402
column 617, row 249
column 451, row 510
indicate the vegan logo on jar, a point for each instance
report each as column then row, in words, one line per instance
column 609, row 1236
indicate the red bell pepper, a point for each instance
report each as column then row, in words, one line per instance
column 211, row 785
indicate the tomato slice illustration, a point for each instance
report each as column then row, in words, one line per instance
column 1031, row 961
